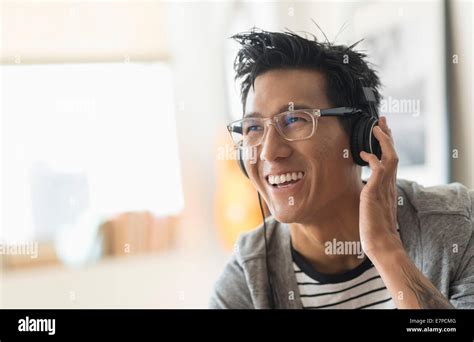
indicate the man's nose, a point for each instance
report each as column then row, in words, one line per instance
column 273, row 145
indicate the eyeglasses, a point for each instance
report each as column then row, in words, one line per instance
column 292, row 125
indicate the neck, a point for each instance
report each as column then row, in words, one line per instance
column 337, row 222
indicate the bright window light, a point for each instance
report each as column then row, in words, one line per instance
column 86, row 140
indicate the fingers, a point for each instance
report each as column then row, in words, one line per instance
column 384, row 135
column 383, row 125
column 376, row 166
column 384, row 172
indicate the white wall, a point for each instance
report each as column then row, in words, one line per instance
column 196, row 32
column 171, row 280
column 463, row 113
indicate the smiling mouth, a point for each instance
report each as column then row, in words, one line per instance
column 285, row 179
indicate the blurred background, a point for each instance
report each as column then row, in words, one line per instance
column 119, row 186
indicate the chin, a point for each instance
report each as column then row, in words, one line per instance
column 285, row 215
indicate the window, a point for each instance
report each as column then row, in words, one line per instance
column 82, row 142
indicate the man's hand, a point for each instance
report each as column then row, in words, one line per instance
column 409, row 288
column 378, row 199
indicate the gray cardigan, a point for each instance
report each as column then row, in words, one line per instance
column 436, row 229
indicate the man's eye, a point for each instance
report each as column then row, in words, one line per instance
column 292, row 120
column 295, row 118
column 253, row 128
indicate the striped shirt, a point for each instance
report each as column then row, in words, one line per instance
column 359, row 288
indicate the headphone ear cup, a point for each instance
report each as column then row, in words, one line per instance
column 240, row 161
column 374, row 143
column 362, row 139
column 356, row 141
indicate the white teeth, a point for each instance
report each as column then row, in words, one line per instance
column 287, row 177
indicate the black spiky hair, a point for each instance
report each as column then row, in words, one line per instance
column 342, row 66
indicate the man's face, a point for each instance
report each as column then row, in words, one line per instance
column 324, row 159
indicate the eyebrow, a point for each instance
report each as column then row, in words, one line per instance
column 282, row 109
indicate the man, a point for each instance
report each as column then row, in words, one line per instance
column 416, row 244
